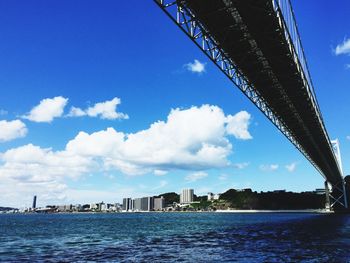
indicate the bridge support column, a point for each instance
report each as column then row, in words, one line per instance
column 347, row 190
column 328, row 202
column 338, row 197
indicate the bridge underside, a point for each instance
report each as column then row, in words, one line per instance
column 252, row 35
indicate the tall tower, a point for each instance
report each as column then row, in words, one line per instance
column 34, row 202
column 336, row 149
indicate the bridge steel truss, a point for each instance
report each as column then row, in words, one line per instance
column 187, row 21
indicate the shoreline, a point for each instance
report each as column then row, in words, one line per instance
column 320, row 211
column 231, row 211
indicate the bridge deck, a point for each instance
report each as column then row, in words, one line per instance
column 251, row 34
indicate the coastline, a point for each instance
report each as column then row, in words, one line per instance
column 237, row 211
column 320, row 211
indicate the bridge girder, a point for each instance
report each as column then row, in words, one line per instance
column 320, row 155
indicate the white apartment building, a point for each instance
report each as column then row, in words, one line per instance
column 186, row 197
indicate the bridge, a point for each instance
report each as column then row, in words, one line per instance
column 256, row 44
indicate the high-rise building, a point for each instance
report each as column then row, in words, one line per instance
column 186, row 197
column 127, row 204
column 34, row 202
column 137, row 204
column 159, row 203
column 146, row 203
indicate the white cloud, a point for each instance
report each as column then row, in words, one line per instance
column 348, row 137
column 269, row 167
column 238, row 125
column 240, row 165
column 10, row 130
column 291, row 167
column 196, row 66
column 15, row 193
column 343, row 48
column 190, row 139
column 30, row 163
column 193, row 177
column 47, row 110
column 160, row 172
column 104, row 110
column 76, row 112
column 29, row 170
column 3, row 112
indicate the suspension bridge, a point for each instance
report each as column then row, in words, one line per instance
column 256, row 44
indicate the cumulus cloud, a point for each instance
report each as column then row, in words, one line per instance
column 15, row 193
column 196, row 67
column 30, row 170
column 291, row 167
column 76, row 112
column 32, row 163
column 189, row 139
column 269, row 167
column 47, row 110
column 193, row 177
column 237, row 125
column 104, row 110
column 10, row 130
column 343, row 48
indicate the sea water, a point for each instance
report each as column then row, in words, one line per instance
column 175, row 237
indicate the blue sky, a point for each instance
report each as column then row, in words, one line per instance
column 154, row 114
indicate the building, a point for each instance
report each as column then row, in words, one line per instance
column 159, row 203
column 212, row 197
column 186, row 197
column 146, row 203
column 137, row 204
column 34, row 202
column 127, row 204
column 216, row 196
column 64, row 208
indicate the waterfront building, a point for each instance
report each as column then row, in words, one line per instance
column 146, row 203
column 137, row 204
column 102, row 206
column 159, row 203
column 64, row 208
column 216, row 197
column 127, row 204
column 210, row 196
column 186, row 197
column 93, row 206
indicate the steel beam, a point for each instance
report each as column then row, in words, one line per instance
column 202, row 38
column 187, row 21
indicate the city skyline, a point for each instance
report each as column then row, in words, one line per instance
column 91, row 112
